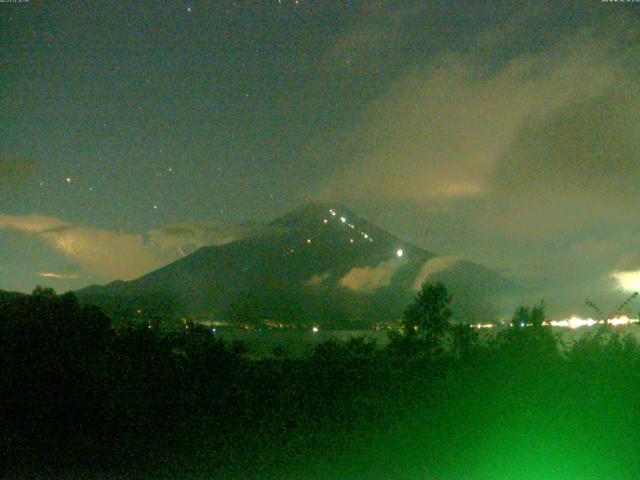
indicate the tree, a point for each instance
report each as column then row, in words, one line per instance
column 361, row 347
column 529, row 317
column 528, row 336
column 46, row 293
column 465, row 340
column 427, row 318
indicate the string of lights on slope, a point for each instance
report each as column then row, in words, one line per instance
column 343, row 220
column 571, row 323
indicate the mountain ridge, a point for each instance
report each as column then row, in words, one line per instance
column 317, row 263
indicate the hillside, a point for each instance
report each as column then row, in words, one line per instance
column 319, row 263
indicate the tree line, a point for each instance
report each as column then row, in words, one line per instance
column 83, row 398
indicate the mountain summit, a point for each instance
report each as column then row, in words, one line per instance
column 320, row 263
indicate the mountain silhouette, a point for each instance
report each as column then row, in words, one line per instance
column 320, row 263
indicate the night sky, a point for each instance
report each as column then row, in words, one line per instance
column 506, row 133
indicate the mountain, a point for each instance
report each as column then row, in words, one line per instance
column 7, row 296
column 320, row 263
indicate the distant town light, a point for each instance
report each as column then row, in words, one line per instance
column 575, row 322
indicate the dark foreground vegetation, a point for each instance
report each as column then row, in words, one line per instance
column 81, row 400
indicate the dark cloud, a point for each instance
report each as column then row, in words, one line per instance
column 589, row 148
column 567, row 188
column 439, row 131
column 529, row 165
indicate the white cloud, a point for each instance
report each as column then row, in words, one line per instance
column 431, row 267
column 370, row 279
column 110, row 255
column 184, row 237
column 629, row 281
column 31, row 223
column 58, row 276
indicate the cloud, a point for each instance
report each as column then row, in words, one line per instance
column 431, row 267
column 523, row 159
column 107, row 254
column 112, row 255
column 629, row 281
column 186, row 237
column 58, row 276
column 370, row 279
column 316, row 279
column 586, row 152
column 440, row 131
column 32, row 223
